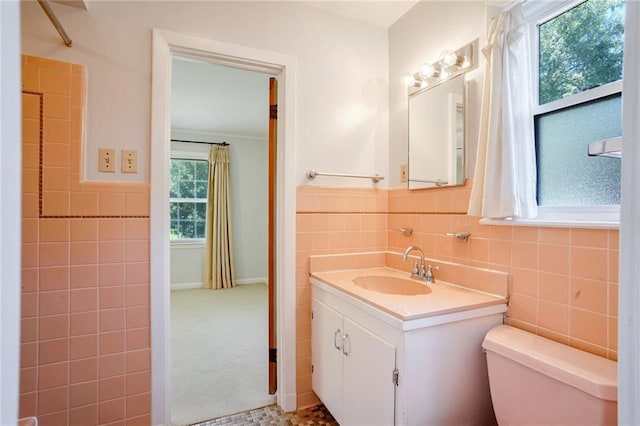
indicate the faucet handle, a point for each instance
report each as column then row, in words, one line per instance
column 433, row 268
column 415, row 272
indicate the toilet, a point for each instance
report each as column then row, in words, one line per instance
column 536, row 381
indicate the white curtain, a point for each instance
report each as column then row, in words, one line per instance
column 504, row 183
column 218, row 253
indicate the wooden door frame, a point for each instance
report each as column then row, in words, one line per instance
column 165, row 45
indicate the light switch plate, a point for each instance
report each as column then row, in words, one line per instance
column 129, row 159
column 107, row 160
column 404, row 172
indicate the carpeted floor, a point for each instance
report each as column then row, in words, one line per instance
column 219, row 352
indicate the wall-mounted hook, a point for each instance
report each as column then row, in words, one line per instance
column 405, row 231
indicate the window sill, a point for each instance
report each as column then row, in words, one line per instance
column 187, row 243
column 601, row 217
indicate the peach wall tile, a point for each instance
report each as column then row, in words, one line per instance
column 111, row 274
column 29, row 280
column 136, row 295
column 137, row 251
column 84, row 229
column 500, row 252
column 111, row 229
column 56, row 131
column 138, row 405
column 138, row 361
column 31, row 131
column 53, row 254
column 82, row 370
column 111, row 411
column 588, row 347
column 83, row 253
column 524, row 255
column 614, row 239
column 112, row 319
column 57, row 418
column 53, row 278
column 553, row 316
column 110, row 204
column 53, row 302
column 111, row 365
column 55, row 203
column 554, row 258
column 137, row 204
column 83, row 394
column 30, row 106
column 111, row 388
column 85, row 415
column 30, row 256
column 28, row 354
column 29, row 205
column 83, row 276
column 588, row 326
column 109, row 343
column 30, row 180
column 55, row 179
column 525, row 281
column 555, row 235
column 138, row 383
column 589, row 263
column 30, row 156
column 28, row 379
column 53, row 375
column 52, row 400
column 84, row 203
column 614, row 266
column 137, row 273
column 589, row 294
column 29, row 231
column 111, row 251
column 613, row 300
column 523, row 307
column 590, row 237
column 54, row 81
column 53, row 326
column 28, row 330
column 553, row 287
column 83, row 323
column 52, row 351
column 111, row 297
column 137, row 339
column 137, row 316
column 83, row 346
column 85, row 299
column 29, row 305
column 56, row 106
column 612, row 323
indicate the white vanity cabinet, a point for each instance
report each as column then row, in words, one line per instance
column 352, row 369
column 357, row 345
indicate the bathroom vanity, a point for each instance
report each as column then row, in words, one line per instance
column 387, row 352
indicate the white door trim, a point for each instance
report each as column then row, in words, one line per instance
column 10, row 209
column 165, row 45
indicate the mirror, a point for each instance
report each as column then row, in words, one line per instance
column 437, row 135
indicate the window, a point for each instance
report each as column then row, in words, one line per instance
column 578, row 83
column 188, row 198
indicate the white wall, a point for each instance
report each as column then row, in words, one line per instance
column 342, row 93
column 249, row 189
column 10, row 208
column 420, row 36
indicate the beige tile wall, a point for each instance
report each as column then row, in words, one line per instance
column 85, row 350
column 563, row 282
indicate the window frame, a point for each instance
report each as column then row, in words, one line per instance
column 596, row 216
column 186, row 155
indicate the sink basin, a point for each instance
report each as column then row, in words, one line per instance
column 391, row 285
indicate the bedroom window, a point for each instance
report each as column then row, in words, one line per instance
column 188, row 198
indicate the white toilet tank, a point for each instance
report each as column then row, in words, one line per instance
column 536, row 381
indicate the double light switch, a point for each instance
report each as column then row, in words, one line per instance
column 107, row 160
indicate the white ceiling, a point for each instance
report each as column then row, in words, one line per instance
column 216, row 99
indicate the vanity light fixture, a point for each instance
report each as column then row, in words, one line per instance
column 450, row 63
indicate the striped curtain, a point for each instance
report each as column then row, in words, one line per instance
column 218, row 260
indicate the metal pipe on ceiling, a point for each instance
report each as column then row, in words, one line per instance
column 46, row 7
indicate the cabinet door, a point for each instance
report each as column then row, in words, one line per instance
column 369, row 391
column 326, row 357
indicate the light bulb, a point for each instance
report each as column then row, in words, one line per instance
column 426, row 70
column 448, row 58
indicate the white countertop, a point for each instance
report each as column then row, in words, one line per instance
column 444, row 298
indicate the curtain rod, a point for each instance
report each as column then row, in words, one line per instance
column 208, row 143
column 46, row 7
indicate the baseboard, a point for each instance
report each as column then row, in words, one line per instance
column 185, row 286
column 244, row 281
column 257, row 280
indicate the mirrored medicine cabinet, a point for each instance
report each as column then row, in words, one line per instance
column 437, row 104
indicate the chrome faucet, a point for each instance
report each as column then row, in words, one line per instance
column 428, row 275
column 420, row 273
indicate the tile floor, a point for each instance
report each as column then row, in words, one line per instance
column 272, row 415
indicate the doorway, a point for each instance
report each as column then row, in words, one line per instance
column 166, row 45
column 219, row 338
